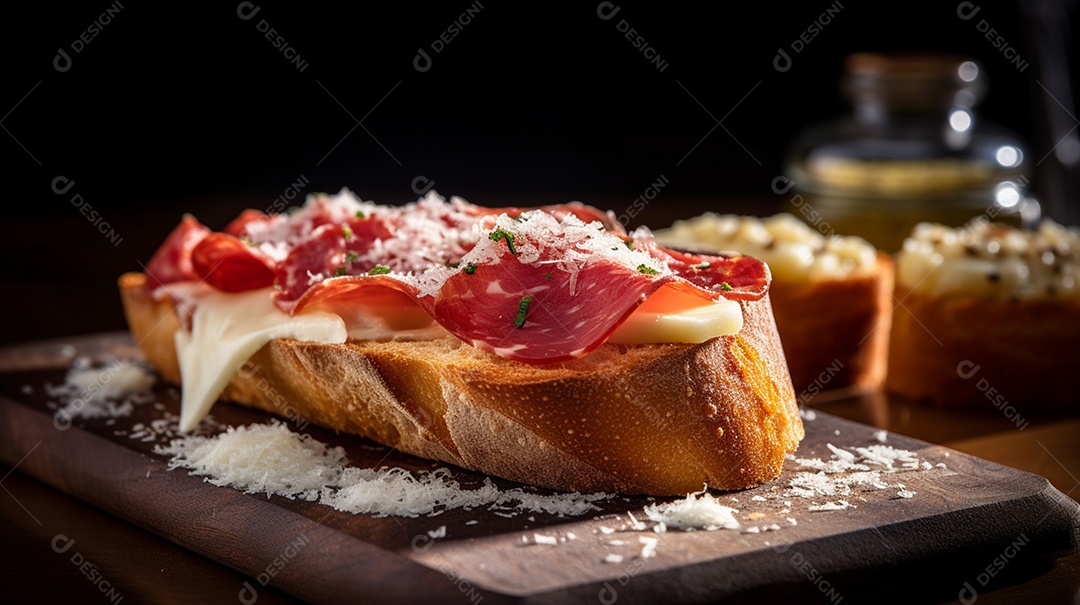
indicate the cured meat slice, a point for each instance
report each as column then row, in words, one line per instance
column 238, row 226
column 172, row 260
column 537, row 286
column 736, row 277
column 538, row 290
column 535, row 314
column 230, row 265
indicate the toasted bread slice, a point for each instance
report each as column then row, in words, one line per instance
column 661, row 419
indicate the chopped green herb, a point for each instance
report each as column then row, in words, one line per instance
column 469, row 269
column 726, row 287
column 523, row 308
column 346, row 232
column 360, row 214
column 247, row 240
column 629, row 244
column 351, row 256
column 340, row 271
column 702, row 265
column 379, row 270
column 499, row 234
column 548, row 275
column 647, row 270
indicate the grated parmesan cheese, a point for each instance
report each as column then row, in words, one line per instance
column 102, row 392
column 861, row 468
column 698, row 510
column 271, row 459
column 567, row 245
column 260, row 459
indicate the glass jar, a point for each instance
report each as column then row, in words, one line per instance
column 913, row 150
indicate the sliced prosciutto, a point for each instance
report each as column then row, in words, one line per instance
column 230, row 265
column 172, row 261
column 537, row 286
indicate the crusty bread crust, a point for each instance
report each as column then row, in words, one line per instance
column 661, row 419
column 974, row 352
column 836, row 332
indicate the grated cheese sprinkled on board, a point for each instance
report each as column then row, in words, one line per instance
column 102, row 392
column 260, row 459
column 699, row 510
column 848, row 470
column 273, row 460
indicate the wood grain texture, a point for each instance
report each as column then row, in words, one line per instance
column 963, row 514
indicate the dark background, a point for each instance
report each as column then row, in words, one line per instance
column 177, row 108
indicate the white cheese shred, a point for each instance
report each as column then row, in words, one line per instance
column 270, row 459
column 103, row 392
column 699, row 510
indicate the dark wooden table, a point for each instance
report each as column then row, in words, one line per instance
column 111, row 560
column 142, row 567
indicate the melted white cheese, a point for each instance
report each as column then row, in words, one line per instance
column 226, row 330
column 674, row 316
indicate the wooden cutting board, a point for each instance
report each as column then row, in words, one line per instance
column 963, row 514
